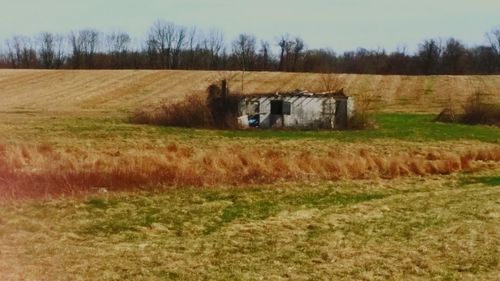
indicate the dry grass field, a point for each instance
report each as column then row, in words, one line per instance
column 86, row 195
column 116, row 91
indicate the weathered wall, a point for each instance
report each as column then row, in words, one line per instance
column 306, row 111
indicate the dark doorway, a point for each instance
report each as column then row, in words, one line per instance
column 341, row 114
column 279, row 109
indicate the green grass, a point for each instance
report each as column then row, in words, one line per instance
column 407, row 127
column 243, row 205
column 491, row 181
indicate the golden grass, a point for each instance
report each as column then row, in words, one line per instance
column 32, row 171
column 114, row 91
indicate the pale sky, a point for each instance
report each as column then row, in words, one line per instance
column 338, row 24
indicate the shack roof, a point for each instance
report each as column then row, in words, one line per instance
column 337, row 94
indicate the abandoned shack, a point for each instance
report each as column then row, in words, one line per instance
column 295, row 110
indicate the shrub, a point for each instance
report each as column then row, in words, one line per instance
column 218, row 110
column 366, row 105
column 361, row 121
column 478, row 111
column 191, row 112
column 447, row 115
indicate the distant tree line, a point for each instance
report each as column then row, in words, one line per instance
column 171, row 46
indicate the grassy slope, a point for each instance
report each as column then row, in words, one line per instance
column 441, row 227
column 438, row 228
column 114, row 91
column 435, row 227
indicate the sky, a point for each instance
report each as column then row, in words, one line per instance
column 337, row 24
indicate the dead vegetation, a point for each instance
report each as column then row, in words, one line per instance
column 476, row 110
column 191, row 111
column 217, row 109
column 45, row 171
column 331, row 82
column 366, row 106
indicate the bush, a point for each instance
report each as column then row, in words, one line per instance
column 447, row 115
column 190, row 112
column 367, row 104
column 477, row 111
column 362, row 121
column 218, row 109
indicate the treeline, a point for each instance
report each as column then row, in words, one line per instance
column 171, row 46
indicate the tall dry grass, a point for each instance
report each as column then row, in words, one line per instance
column 46, row 171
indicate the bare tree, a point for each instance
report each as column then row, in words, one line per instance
column 331, row 82
column 453, row 57
column 192, row 37
column 84, row 46
column 171, row 46
column 283, row 44
column 179, row 38
column 244, row 49
column 429, row 55
column 494, row 39
column 286, row 45
column 298, row 47
column 161, row 38
column 59, row 51
column 214, row 44
column 117, row 42
column 46, row 50
column 152, row 51
column 192, row 45
column 118, row 45
column 13, row 52
column 21, row 52
column 264, row 55
column 76, row 49
column 484, row 60
column 90, row 45
column 366, row 104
